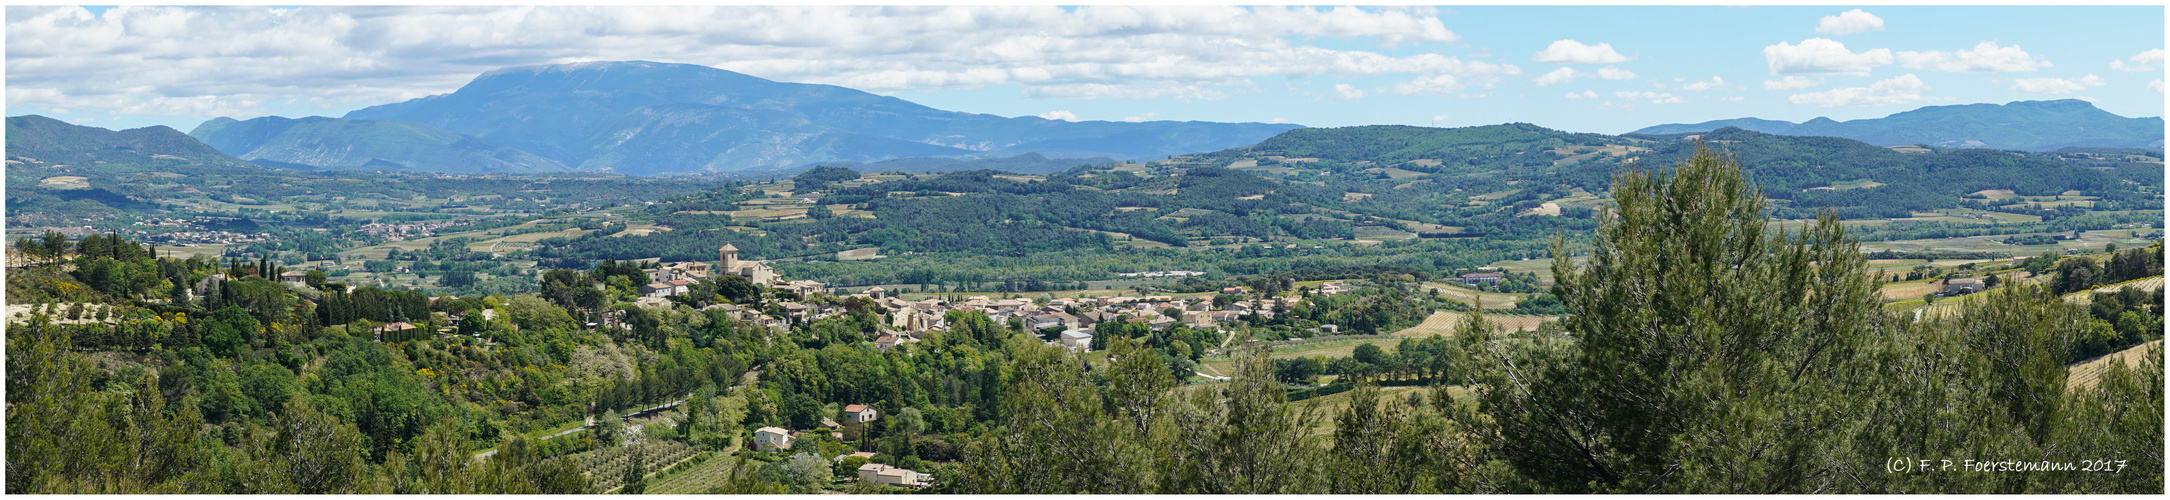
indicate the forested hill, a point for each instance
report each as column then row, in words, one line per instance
column 40, row 140
column 1401, row 143
column 1829, row 172
column 1510, row 182
column 1860, row 180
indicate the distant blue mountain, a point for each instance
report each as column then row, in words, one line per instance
column 650, row 118
column 1756, row 124
column 2020, row 125
column 320, row 143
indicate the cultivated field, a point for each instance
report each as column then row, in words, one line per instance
column 2087, row 373
column 2088, row 297
column 1468, row 296
column 1447, row 322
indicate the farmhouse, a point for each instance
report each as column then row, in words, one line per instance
column 771, row 439
column 292, row 276
column 887, row 342
column 1959, row 286
column 887, row 475
column 859, row 413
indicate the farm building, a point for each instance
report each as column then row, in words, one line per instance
column 771, row 439
column 859, row 413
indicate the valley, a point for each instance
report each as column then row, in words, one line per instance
column 588, row 332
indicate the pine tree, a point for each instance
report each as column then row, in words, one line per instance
column 1700, row 343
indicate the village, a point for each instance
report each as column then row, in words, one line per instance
column 909, row 321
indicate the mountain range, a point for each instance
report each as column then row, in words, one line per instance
column 648, row 118
column 331, row 143
column 2020, row 125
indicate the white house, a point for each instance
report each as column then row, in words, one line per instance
column 859, row 413
column 1079, row 339
column 771, row 439
column 890, row 476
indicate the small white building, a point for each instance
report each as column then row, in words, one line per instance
column 771, row 439
column 1077, row 339
column 890, row 476
column 859, row 413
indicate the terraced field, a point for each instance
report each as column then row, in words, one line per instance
column 2087, row 373
column 2088, row 297
column 699, row 478
column 606, row 467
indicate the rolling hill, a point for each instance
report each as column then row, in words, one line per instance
column 38, row 140
column 2020, row 125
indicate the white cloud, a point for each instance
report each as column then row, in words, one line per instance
column 1582, row 95
column 1791, row 83
column 1435, row 84
column 1135, row 92
column 1557, row 76
column 1061, row 115
column 1345, row 91
column 1574, row 52
column 2155, row 85
column 1566, row 74
column 1849, row 22
column 1140, row 117
column 1654, row 97
column 2056, row 85
column 1985, row 57
column 1822, row 56
column 247, row 60
column 1439, row 118
column 2148, row 60
column 1901, row 90
column 1278, row 119
column 1733, row 98
column 1714, row 83
column 1611, row 105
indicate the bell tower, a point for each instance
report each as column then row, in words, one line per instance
column 730, row 259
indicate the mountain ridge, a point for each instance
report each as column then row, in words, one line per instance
column 335, row 143
column 2017, row 125
column 650, row 118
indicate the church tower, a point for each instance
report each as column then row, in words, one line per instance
column 730, row 259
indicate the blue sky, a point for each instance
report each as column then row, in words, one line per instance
column 1607, row 69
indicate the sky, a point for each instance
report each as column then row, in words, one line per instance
column 1604, row 69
